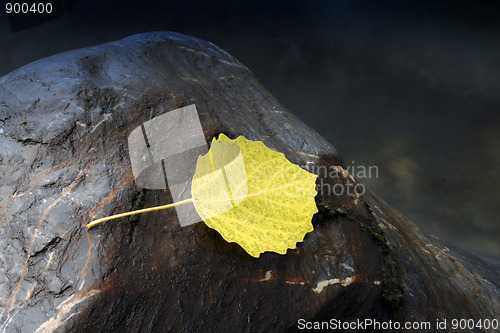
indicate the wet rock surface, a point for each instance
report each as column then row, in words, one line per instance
column 64, row 123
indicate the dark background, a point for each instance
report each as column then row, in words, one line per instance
column 412, row 87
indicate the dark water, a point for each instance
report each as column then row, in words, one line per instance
column 410, row 87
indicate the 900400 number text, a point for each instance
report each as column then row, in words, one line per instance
column 25, row 8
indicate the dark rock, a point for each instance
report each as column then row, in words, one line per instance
column 64, row 123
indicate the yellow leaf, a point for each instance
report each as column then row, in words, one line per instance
column 253, row 196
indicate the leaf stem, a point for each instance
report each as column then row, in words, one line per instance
column 145, row 210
